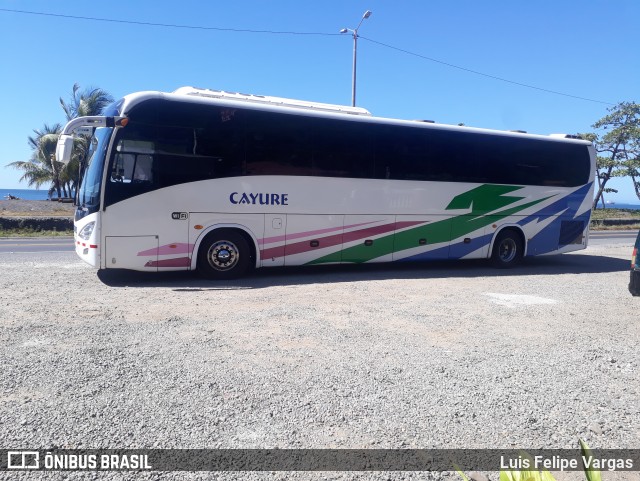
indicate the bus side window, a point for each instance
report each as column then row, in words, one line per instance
column 129, row 167
column 340, row 149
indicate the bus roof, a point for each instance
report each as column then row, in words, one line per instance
column 279, row 101
column 260, row 102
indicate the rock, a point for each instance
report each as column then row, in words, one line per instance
column 478, row 476
column 596, row 429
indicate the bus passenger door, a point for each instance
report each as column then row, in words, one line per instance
column 174, row 252
column 313, row 239
column 368, row 238
column 422, row 237
column 272, row 243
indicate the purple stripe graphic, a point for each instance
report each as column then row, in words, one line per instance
column 177, row 262
column 280, row 238
column 337, row 239
column 168, row 249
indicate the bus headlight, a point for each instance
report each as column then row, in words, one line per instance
column 87, row 230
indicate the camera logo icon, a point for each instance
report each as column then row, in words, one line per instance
column 23, row 460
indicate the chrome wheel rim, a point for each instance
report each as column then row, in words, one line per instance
column 223, row 255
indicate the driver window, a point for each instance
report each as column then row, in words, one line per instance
column 133, row 162
column 123, row 168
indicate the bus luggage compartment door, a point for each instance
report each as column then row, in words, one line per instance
column 421, row 237
column 313, row 239
column 139, row 253
column 368, row 238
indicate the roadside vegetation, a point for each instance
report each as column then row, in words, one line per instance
column 600, row 214
column 42, row 168
column 629, row 219
column 617, row 142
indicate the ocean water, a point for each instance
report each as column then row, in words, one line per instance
column 26, row 194
column 622, row 206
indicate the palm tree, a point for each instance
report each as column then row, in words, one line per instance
column 42, row 168
column 88, row 102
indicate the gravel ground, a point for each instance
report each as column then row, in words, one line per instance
column 444, row 355
column 35, row 208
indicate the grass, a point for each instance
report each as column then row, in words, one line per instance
column 595, row 225
column 599, row 214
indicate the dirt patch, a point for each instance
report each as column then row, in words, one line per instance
column 35, row 208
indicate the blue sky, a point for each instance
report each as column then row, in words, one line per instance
column 583, row 49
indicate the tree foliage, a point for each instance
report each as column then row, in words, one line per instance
column 87, row 102
column 617, row 142
column 42, row 168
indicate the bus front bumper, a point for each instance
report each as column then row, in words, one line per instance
column 86, row 237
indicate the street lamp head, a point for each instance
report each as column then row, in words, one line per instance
column 366, row 15
column 344, row 30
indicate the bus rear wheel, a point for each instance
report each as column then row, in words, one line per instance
column 508, row 249
column 224, row 254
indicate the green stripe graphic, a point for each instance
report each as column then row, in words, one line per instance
column 481, row 200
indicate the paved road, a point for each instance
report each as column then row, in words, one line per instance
column 612, row 237
column 15, row 245
column 65, row 244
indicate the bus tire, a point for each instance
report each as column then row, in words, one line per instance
column 224, row 254
column 508, row 249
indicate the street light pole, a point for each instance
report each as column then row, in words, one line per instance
column 354, row 32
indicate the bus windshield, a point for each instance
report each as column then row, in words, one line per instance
column 90, row 189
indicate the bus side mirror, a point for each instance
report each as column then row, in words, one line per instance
column 64, row 149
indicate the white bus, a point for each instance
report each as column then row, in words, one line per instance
column 221, row 183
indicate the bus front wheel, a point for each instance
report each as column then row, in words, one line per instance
column 224, row 254
column 508, row 249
